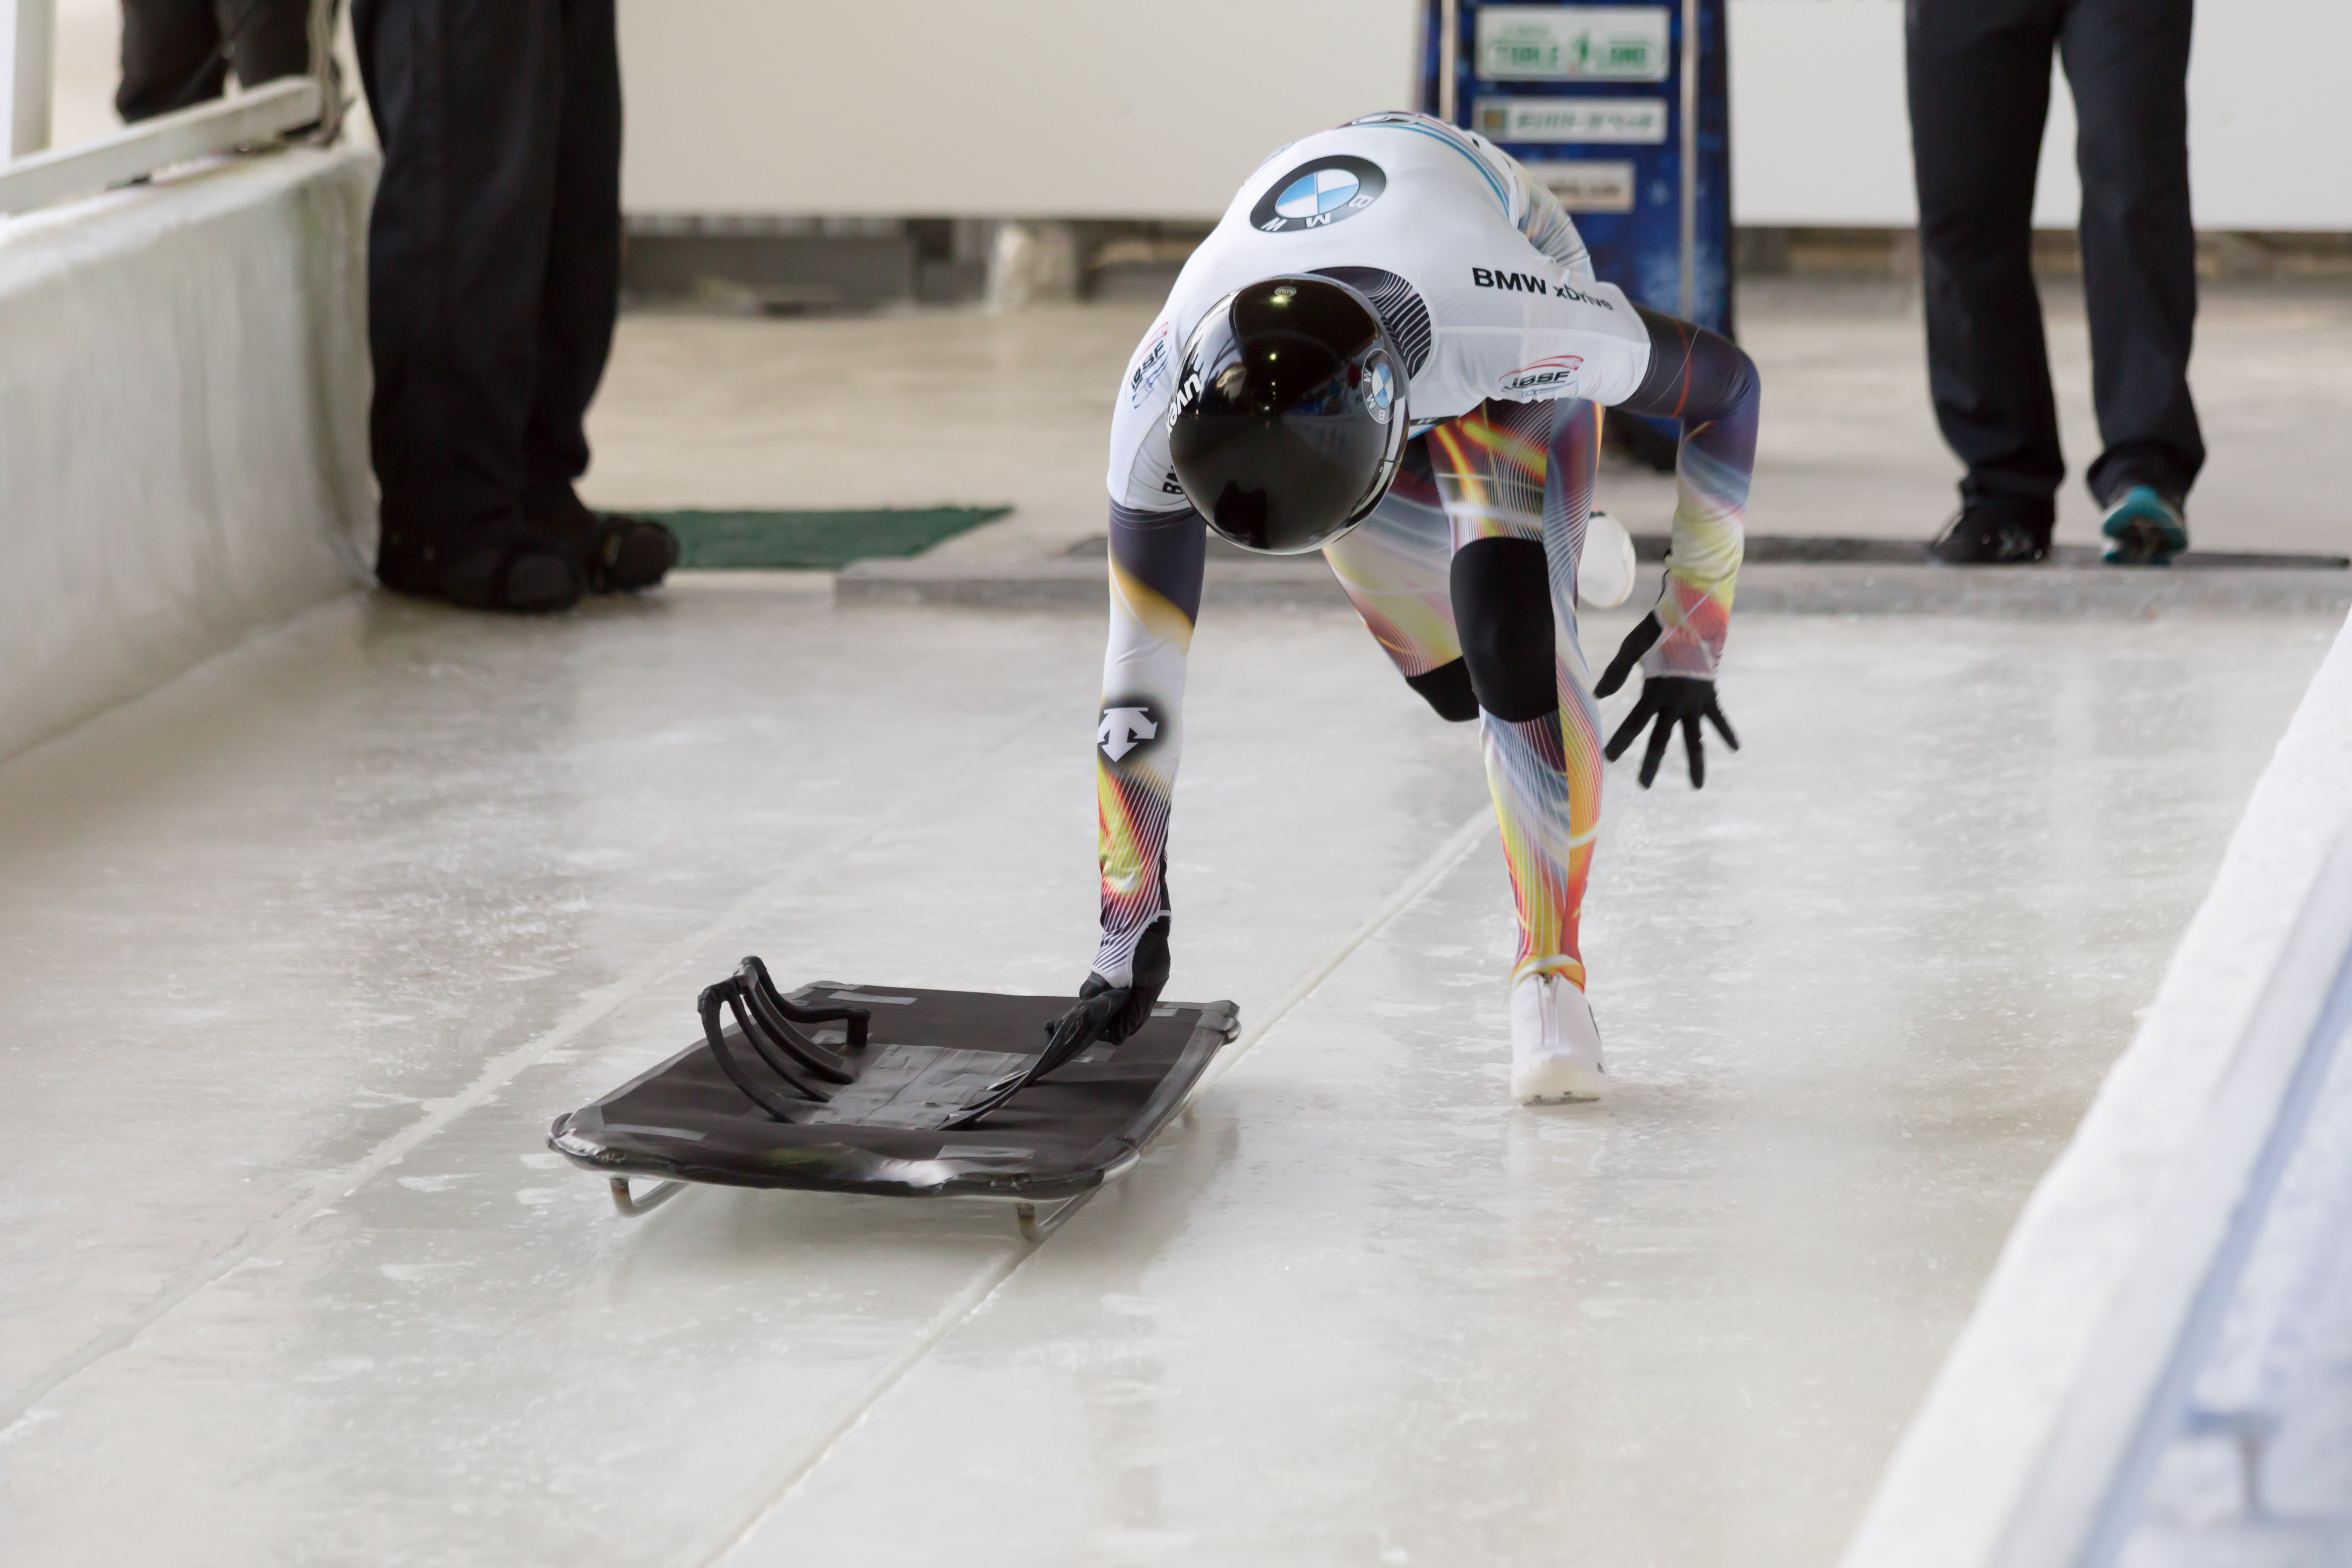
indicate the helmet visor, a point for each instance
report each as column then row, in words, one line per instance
column 1288, row 421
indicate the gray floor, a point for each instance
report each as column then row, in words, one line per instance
column 300, row 955
column 922, row 407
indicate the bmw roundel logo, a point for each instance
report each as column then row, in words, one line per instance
column 1381, row 396
column 1310, row 195
column 1315, row 194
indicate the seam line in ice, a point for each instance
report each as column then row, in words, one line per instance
column 501, row 1070
column 973, row 1296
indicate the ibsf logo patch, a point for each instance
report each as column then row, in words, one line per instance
column 1319, row 194
column 1552, row 375
column 1124, row 730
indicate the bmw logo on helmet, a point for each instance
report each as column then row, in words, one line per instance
column 1319, row 194
column 1381, row 396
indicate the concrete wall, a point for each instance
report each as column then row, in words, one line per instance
column 182, row 425
column 1120, row 108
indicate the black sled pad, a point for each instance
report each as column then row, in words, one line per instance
column 901, row 1091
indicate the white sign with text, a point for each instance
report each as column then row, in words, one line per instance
column 1611, row 119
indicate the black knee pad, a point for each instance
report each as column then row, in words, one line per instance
column 1502, row 612
column 1447, row 689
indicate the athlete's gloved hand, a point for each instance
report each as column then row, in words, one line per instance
column 1107, row 1012
column 1670, row 699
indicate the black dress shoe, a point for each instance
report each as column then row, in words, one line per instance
column 532, row 577
column 1985, row 535
column 529, row 580
column 627, row 553
column 620, row 554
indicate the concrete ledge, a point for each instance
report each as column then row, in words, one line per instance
column 1073, row 585
column 2039, row 593
column 183, row 425
column 1809, row 588
column 1989, row 1472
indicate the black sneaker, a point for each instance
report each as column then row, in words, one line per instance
column 1992, row 536
column 2144, row 528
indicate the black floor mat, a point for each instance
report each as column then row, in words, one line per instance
column 929, row 1055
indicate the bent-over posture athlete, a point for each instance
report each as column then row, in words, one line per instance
column 1391, row 349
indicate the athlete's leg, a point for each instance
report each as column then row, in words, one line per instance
column 1573, row 458
column 1516, row 479
column 1393, row 566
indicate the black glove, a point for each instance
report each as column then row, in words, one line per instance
column 1107, row 1012
column 1671, row 700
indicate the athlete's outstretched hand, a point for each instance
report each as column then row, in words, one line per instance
column 1671, row 700
column 1107, row 1012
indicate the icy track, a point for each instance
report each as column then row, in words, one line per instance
column 299, row 954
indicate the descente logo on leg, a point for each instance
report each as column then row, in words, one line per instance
column 1126, row 728
column 1531, row 283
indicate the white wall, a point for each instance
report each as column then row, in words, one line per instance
column 1082, row 108
column 1818, row 134
column 1047, row 108
column 183, row 425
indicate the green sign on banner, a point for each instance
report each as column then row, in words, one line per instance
column 1573, row 42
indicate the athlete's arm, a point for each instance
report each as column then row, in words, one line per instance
column 1156, row 566
column 1157, row 547
column 1703, row 380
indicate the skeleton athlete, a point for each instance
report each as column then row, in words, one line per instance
column 1391, row 349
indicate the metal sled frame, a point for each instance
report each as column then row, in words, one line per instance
column 1025, row 1213
column 787, row 1075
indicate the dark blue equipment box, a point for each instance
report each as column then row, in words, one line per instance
column 1624, row 110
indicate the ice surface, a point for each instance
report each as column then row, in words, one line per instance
column 299, row 956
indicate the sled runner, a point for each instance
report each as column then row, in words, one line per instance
column 895, row 1090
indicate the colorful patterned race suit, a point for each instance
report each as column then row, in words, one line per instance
column 1466, row 572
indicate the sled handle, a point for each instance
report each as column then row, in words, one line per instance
column 777, row 1016
column 729, row 993
column 858, row 1018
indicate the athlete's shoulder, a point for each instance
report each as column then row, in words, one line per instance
column 1372, row 150
column 1450, row 146
column 1140, row 475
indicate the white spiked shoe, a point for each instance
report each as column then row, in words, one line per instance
column 1555, row 1046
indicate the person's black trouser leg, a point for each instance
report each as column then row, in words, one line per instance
column 171, row 57
column 583, row 294
column 172, row 54
column 493, row 259
column 1978, row 75
column 2127, row 63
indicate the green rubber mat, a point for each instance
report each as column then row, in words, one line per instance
column 819, row 541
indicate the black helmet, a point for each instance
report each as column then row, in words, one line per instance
column 1289, row 414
